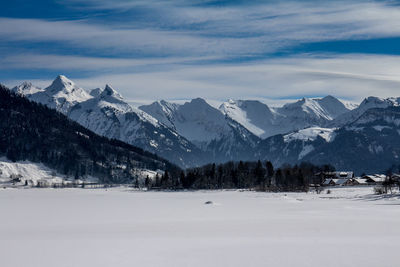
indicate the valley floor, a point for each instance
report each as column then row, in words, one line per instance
column 121, row 227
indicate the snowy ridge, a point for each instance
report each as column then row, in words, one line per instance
column 326, row 108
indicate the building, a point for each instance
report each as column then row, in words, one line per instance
column 375, row 178
column 341, row 178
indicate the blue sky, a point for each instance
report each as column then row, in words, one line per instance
column 150, row 50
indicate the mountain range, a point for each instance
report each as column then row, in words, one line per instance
column 196, row 133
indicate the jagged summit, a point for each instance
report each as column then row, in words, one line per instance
column 61, row 83
column 110, row 92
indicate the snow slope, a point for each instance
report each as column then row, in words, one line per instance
column 121, row 227
column 310, row 134
column 252, row 114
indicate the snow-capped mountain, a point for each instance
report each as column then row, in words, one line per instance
column 26, row 89
column 265, row 122
column 314, row 110
column 62, row 94
column 206, row 127
column 368, row 103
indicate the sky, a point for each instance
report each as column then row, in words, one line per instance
column 149, row 50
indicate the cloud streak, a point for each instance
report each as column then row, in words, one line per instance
column 204, row 31
column 181, row 49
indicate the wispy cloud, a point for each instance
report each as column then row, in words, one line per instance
column 64, row 62
column 224, row 31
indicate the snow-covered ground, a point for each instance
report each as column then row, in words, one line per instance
column 122, row 227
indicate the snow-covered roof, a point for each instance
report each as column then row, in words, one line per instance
column 360, row 180
column 377, row 178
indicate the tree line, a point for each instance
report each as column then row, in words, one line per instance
column 257, row 175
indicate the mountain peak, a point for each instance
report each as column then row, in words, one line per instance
column 198, row 100
column 26, row 84
column 329, row 97
column 110, row 92
column 61, row 83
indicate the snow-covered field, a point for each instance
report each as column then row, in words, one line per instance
column 122, row 227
